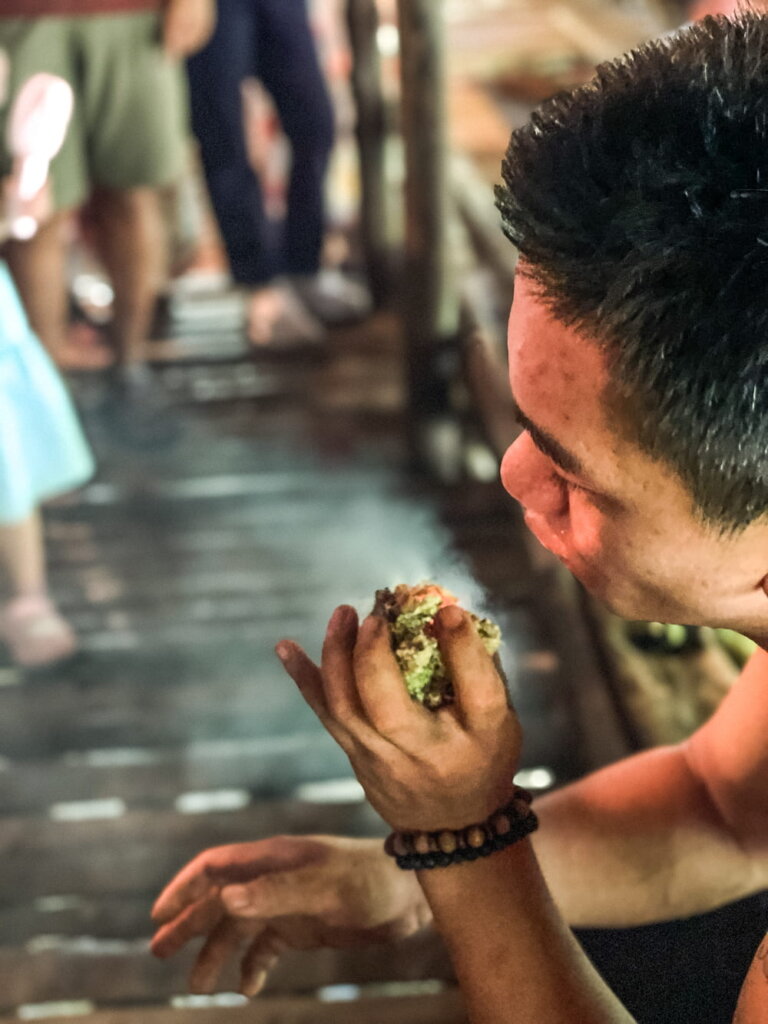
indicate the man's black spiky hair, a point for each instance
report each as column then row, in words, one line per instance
column 639, row 203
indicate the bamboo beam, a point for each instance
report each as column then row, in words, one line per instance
column 371, row 132
column 429, row 307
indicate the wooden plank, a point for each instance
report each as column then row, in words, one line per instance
column 150, row 711
column 268, row 767
column 127, row 973
column 475, row 204
column 478, row 128
column 484, row 43
column 141, row 850
column 664, row 697
column 439, row 1008
column 600, row 31
column 121, row 917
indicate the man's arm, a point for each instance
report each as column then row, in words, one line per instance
column 663, row 834
column 514, row 957
column 428, row 773
column 670, row 832
column 187, row 26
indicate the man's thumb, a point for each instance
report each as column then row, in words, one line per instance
column 272, row 895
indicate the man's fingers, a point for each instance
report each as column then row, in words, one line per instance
column 309, row 680
column 479, row 689
column 379, row 681
column 220, row 947
column 260, row 957
column 193, row 922
column 275, row 895
column 188, row 886
column 337, row 665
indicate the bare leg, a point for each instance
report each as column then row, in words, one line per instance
column 39, row 269
column 264, row 307
column 276, row 315
column 30, row 625
column 22, row 556
column 132, row 244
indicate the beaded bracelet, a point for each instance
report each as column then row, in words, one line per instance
column 419, row 851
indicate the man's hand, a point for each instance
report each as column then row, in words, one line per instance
column 254, row 901
column 187, row 26
column 420, row 769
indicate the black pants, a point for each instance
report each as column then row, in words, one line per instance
column 682, row 971
column 272, row 41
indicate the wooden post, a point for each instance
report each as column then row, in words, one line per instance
column 371, row 130
column 430, row 308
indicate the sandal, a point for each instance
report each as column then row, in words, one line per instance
column 35, row 633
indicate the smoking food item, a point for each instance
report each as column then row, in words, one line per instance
column 410, row 613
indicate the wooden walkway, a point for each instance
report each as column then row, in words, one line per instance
column 285, row 492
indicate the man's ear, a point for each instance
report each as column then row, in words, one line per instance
column 764, row 585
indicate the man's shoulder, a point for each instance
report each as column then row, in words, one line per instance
column 753, row 1000
column 756, row 669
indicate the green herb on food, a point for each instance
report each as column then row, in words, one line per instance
column 410, row 612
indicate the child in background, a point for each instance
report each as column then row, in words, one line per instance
column 43, row 452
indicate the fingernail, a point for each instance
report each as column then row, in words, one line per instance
column 451, row 617
column 343, row 617
column 377, row 623
column 283, row 650
column 235, row 898
column 254, row 986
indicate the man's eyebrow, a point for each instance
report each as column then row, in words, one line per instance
column 549, row 446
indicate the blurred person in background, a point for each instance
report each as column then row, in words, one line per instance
column 43, row 452
column 271, row 40
column 127, row 139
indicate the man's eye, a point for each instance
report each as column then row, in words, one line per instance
column 575, row 487
column 571, row 487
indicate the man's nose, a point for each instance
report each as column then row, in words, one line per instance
column 526, row 474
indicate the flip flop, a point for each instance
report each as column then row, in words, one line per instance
column 35, row 633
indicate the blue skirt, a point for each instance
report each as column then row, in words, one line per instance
column 43, row 451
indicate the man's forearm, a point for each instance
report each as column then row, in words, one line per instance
column 187, row 25
column 514, row 956
column 636, row 842
column 640, row 841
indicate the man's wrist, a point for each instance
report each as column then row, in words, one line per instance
column 443, row 848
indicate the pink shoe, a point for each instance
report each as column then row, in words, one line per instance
column 35, row 633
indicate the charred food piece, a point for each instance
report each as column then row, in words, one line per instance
column 410, row 613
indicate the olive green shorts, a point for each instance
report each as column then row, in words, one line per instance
column 129, row 127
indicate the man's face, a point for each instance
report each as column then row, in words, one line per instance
column 622, row 522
